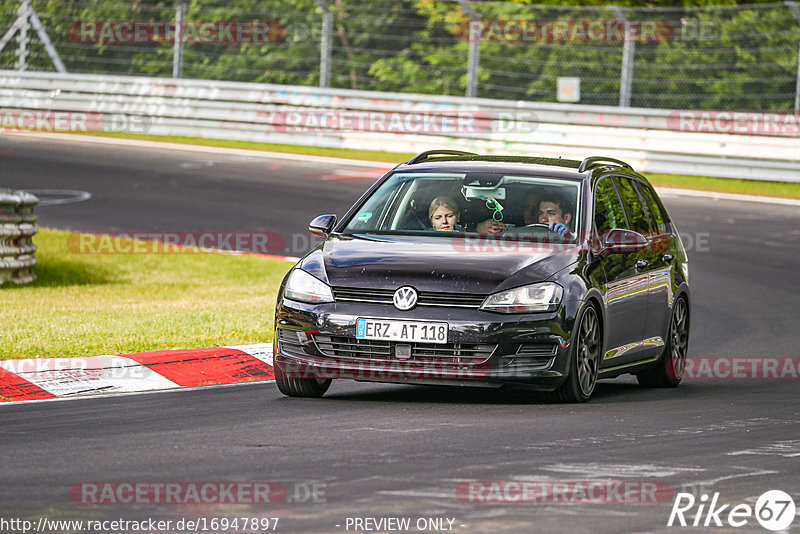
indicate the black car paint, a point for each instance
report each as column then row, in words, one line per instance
column 584, row 272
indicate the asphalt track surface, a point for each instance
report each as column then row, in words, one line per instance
column 401, row 451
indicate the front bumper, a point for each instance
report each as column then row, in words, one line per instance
column 483, row 349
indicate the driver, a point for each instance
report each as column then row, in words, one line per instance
column 555, row 212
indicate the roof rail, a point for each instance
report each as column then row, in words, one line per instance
column 425, row 155
column 589, row 162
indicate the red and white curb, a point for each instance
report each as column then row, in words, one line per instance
column 61, row 378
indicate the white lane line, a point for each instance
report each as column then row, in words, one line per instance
column 432, row 493
column 51, row 197
column 789, row 448
column 392, row 430
column 197, row 164
column 699, row 484
column 611, row 471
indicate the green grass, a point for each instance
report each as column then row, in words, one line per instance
column 88, row 304
column 727, row 185
column 701, row 183
column 368, row 155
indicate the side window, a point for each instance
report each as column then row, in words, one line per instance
column 634, row 206
column 659, row 216
column 608, row 212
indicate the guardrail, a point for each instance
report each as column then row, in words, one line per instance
column 17, row 227
column 652, row 140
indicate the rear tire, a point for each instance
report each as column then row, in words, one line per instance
column 300, row 387
column 584, row 360
column 669, row 370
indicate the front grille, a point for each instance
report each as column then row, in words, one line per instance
column 359, row 350
column 460, row 300
column 426, row 298
column 355, row 294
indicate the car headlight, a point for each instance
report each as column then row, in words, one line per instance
column 545, row 296
column 303, row 287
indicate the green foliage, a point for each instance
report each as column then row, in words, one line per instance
column 708, row 55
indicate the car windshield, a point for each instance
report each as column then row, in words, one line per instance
column 448, row 204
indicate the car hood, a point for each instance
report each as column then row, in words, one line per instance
column 469, row 264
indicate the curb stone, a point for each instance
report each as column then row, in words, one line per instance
column 63, row 378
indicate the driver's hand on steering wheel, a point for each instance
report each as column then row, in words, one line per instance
column 560, row 229
column 490, row 226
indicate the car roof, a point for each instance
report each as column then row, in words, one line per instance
column 454, row 161
column 502, row 164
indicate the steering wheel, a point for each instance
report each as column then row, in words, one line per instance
column 546, row 227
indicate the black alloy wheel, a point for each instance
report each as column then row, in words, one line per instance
column 585, row 360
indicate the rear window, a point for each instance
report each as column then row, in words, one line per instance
column 659, row 216
column 637, row 216
column 608, row 212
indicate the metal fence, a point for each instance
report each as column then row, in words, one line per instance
column 736, row 145
column 733, row 57
column 17, row 227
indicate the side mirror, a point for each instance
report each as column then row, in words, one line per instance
column 619, row 241
column 322, row 225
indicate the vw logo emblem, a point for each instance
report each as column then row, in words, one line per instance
column 405, row 298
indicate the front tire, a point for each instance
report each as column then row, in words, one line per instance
column 584, row 360
column 669, row 370
column 300, row 387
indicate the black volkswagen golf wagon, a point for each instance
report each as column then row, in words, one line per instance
column 468, row 270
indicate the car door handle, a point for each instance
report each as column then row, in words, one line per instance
column 666, row 258
column 641, row 264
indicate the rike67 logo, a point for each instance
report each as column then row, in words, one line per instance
column 774, row 510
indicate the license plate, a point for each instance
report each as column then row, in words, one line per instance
column 409, row 331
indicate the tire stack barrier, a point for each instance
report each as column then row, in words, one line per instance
column 17, row 227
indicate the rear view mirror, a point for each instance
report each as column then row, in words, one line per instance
column 620, row 241
column 322, row 225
